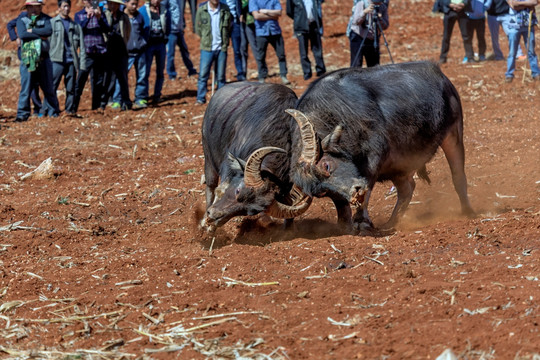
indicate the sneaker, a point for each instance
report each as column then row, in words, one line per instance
column 508, row 79
column 482, row 58
column 441, row 61
column 192, row 73
column 140, row 104
column 200, row 102
column 284, row 80
column 262, row 80
column 466, row 60
column 307, row 76
column 116, row 106
column 20, row 119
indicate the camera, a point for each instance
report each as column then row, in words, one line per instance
column 95, row 4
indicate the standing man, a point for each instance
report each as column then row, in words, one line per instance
column 34, row 94
column 364, row 32
column 213, row 25
column 521, row 23
column 66, row 44
column 94, row 26
column 34, row 30
column 117, row 54
column 238, row 39
column 267, row 30
column 176, row 37
column 454, row 11
column 308, row 30
column 155, row 21
column 136, row 48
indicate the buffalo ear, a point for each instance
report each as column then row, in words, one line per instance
column 236, row 163
column 332, row 139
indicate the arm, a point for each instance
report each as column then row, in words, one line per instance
column 12, row 29
column 45, row 30
column 265, row 14
column 24, row 34
column 520, row 5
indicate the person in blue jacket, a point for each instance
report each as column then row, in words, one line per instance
column 34, row 30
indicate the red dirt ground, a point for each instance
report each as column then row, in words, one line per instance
column 104, row 259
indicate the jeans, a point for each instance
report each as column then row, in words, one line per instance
column 449, row 21
column 158, row 51
column 68, row 71
column 95, row 64
column 239, row 43
column 42, row 76
column 514, row 36
column 361, row 48
column 493, row 25
column 207, row 59
column 178, row 39
column 279, row 47
column 313, row 38
column 139, row 60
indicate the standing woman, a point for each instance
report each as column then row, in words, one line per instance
column 364, row 33
column 155, row 23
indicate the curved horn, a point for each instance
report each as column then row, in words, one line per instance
column 300, row 201
column 310, row 150
column 332, row 138
column 252, row 173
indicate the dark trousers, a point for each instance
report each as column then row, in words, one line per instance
column 68, row 71
column 279, row 47
column 95, row 65
column 313, row 38
column 117, row 69
column 42, row 76
column 178, row 39
column 239, row 43
column 449, row 21
column 478, row 26
column 360, row 50
column 192, row 9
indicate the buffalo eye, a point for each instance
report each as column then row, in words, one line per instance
column 326, row 167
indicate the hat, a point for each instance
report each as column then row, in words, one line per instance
column 33, row 2
column 121, row 2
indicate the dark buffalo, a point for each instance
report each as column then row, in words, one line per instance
column 247, row 137
column 380, row 123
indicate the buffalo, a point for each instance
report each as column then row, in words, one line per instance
column 246, row 138
column 376, row 124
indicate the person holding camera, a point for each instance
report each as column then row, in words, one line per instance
column 94, row 26
column 369, row 19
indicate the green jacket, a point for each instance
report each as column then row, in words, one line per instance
column 203, row 26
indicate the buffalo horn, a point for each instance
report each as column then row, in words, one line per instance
column 252, row 173
column 310, row 150
column 300, row 203
column 332, row 138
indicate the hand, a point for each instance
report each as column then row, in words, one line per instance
column 18, row 42
column 369, row 9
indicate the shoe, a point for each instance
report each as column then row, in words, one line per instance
column 508, row 79
column 116, row 106
column 466, row 60
column 21, row 119
column 441, row 61
column 140, row 104
column 321, row 73
column 192, row 73
column 156, row 100
column 307, row 76
column 522, row 57
column 200, row 102
column 262, row 80
column 172, row 78
column 284, row 80
column 241, row 78
column 482, row 58
column 73, row 115
column 536, row 78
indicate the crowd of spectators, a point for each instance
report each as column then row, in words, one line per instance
column 104, row 40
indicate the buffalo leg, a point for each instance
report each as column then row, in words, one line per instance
column 362, row 222
column 344, row 212
column 454, row 151
column 211, row 179
column 405, row 187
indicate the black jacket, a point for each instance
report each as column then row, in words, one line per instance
column 443, row 6
column 297, row 12
column 498, row 7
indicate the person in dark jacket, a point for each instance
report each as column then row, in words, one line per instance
column 34, row 94
column 34, row 30
column 454, row 11
column 117, row 54
column 307, row 16
column 238, row 39
column 66, row 43
column 94, row 26
column 136, row 48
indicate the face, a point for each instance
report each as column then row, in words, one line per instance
column 132, row 5
column 214, row 3
column 113, row 6
column 33, row 10
column 155, row 3
column 64, row 9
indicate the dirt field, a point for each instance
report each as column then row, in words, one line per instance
column 104, row 260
